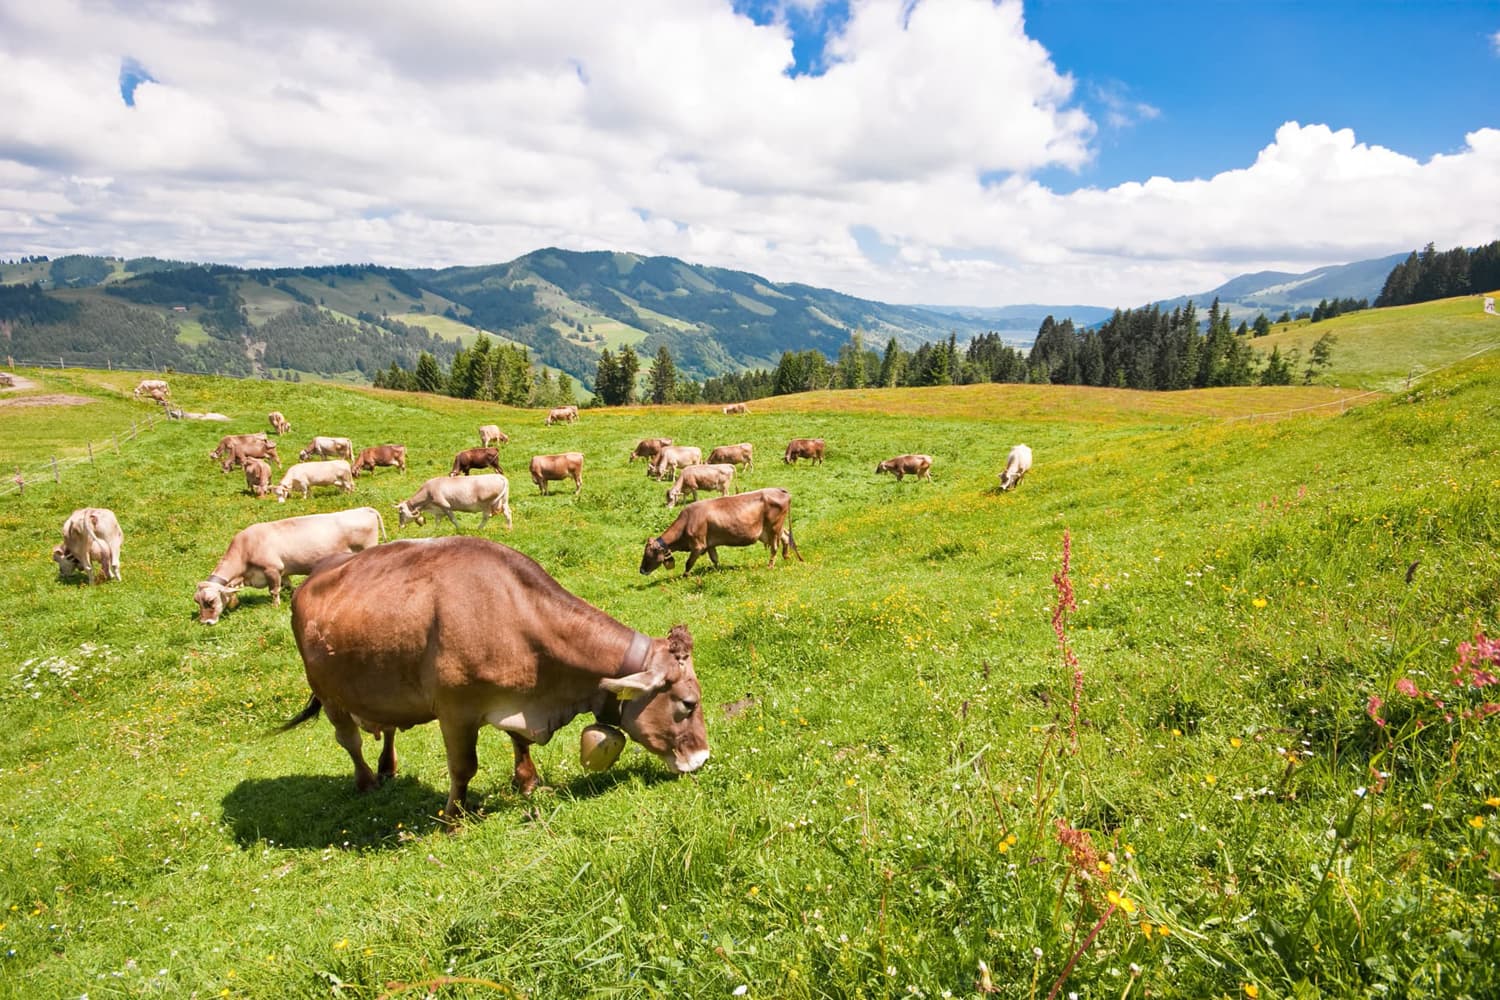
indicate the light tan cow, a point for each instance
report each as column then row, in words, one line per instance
column 669, row 460
column 761, row 516
column 278, row 422
column 486, row 494
column 328, row 447
column 1017, row 464
column 701, row 477
column 907, row 465
column 156, row 388
column 265, row 554
column 491, row 434
column 734, row 454
column 258, row 476
column 555, row 468
column 735, row 408
column 561, row 414
column 303, row 476
column 90, row 534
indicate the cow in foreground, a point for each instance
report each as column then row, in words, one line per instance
column 561, row 414
column 809, row 448
column 734, row 454
column 278, row 422
column 735, row 409
column 303, row 476
column 482, row 636
column 485, row 494
column 328, row 447
column 555, row 468
column 1017, row 464
column 258, row 476
column 266, row 554
column 240, row 452
column 491, row 434
column 744, row 519
column 649, row 448
column 90, row 535
column 701, row 477
column 670, row 459
column 475, row 458
column 907, row 465
column 392, row 456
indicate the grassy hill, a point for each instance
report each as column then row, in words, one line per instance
column 898, row 800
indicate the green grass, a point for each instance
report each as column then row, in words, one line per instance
column 885, row 814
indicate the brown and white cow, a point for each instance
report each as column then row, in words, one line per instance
column 735, row 408
column 156, row 388
column 809, row 448
column 670, row 459
column 744, row 519
column 265, row 554
column 701, row 477
column 229, row 441
column 392, row 456
column 278, row 422
column 560, row 414
column 1017, row 464
column 240, row 451
column 907, row 465
column 303, row 476
column 258, row 476
column 475, row 458
column 491, row 434
column 649, row 448
column 328, row 447
column 485, row 494
column 734, row 454
column 555, row 468
column 90, row 535
column 482, row 636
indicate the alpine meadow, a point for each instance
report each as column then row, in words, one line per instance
column 1204, row 708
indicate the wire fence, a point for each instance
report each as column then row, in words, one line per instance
column 52, row 470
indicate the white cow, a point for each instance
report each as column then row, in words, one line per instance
column 701, row 477
column 305, row 475
column 90, row 534
column 328, row 447
column 1017, row 464
column 486, row 495
column 669, row 460
column 265, row 554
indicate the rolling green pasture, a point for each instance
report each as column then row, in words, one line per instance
column 895, row 804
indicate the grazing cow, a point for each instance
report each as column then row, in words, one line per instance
column 490, row 434
column 701, row 477
column 734, row 454
column 735, row 408
column 809, row 448
column 649, row 448
column 391, row 456
column 265, row 554
column 156, row 388
column 555, row 468
column 278, row 422
column 90, row 534
column 670, row 459
column 258, row 476
column 240, row 451
column 744, row 519
column 559, row 414
column 328, row 447
column 303, row 476
column 1017, row 464
column 481, row 635
column 475, row 458
column 907, row 465
column 485, row 494
column 229, row 442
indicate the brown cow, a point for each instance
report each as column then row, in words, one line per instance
column 90, row 534
column 734, row 454
column 735, row 408
column 701, row 477
column 907, row 465
column 475, row 458
column 761, row 516
column 554, row 468
column 228, row 441
column 559, row 414
column 278, row 422
column 810, row 448
column 391, row 638
column 265, row 554
column 239, row 451
column 258, row 476
column 391, row 456
column 491, row 434
column 649, row 448
column 669, row 460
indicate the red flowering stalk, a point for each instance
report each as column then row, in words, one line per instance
column 1065, row 603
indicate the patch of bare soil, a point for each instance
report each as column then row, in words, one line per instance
column 15, row 383
column 52, row 399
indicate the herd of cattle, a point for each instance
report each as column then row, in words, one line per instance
column 380, row 666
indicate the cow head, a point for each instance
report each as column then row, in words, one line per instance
column 213, row 599
column 303, row 455
column 408, row 515
column 883, row 467
column 661, row 705
column 656, row 554
column 673, row 495
column 282, row 492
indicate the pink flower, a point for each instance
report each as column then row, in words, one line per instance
column 1408, row 688
column 1372, row 709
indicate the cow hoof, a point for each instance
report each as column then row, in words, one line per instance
column 525, row 785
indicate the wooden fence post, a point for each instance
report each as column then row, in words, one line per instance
column 117, row 444
column 90, row 446
column 20, row 482
column 55, row 477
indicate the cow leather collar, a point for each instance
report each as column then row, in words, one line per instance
column 661, row 543
column 216, row 578
column 635, row 655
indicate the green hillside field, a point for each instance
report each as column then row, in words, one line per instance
column 1245, row 785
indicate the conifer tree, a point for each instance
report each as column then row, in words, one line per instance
column 662, row 377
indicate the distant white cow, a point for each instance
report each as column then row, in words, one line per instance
column 90, row 534
column 328, row 447
column 1017, row 464
column 303, row 476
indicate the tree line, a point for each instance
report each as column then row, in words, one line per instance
column 500, row 373
column 1429, row 275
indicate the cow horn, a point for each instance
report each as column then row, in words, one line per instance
column 632, row 685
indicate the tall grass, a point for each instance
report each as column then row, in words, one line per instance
column 893, row 798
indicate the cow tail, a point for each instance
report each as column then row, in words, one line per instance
column 383, row 535
column 310, row 712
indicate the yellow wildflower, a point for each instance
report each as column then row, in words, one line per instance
column 1105, row 867
column 1252, row 991
column 1477, row 822
column 1115, row 899
column 341, row 944
column 1146, row 929
column 1211, row 779
column 1234, row 741
column 1259, row 602
column 1493, row 801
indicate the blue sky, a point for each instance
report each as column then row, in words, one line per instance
column 977, row 152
